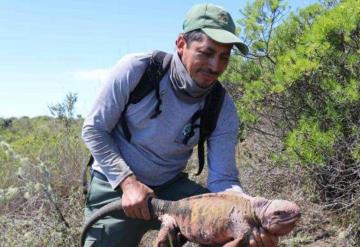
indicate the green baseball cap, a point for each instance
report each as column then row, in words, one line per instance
column 215, row 22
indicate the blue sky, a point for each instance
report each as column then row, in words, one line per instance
column 51, row 48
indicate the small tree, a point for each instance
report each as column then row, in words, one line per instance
column 65, row 110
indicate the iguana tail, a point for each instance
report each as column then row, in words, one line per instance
column 102, row 212
column 156, row 206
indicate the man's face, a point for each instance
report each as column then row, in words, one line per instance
column 204, row 60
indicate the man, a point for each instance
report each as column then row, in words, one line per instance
column 151, row 163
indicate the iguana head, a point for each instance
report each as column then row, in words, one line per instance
column 277, row 216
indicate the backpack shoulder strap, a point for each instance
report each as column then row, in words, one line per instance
column 158, row 66
column 150, row 80
column 210, row 114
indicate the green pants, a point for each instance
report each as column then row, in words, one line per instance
column 119, row 230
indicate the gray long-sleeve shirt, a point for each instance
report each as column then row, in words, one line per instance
column 155, row 153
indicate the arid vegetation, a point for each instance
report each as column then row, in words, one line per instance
column 40, row 197
column 302, row 88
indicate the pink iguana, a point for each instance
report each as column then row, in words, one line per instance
column 214, row 218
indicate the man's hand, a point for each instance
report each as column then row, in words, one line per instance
column 262, row 238
column 134, row 198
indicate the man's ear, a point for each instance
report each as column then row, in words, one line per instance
column 180, row 44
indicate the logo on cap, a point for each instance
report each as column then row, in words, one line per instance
column 223, row 17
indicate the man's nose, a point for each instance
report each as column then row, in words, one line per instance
column 215, row 65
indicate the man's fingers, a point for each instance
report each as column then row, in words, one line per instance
column 262, row 238
column 252, row 242
column 129, row 211
column 145, row 214
column 152, row 194
column 267, row 238
column 137, row 212
column 135, row 199
column 255, row 239
column 134, row 213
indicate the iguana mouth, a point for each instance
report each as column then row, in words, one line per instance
column 289, row 220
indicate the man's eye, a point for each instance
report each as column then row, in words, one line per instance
column 204, row 53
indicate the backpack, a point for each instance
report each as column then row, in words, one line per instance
column 150, row 80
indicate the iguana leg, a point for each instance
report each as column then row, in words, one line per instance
column 168, row 232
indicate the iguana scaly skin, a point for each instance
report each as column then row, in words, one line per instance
column 215, row 218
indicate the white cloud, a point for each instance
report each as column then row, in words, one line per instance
column 91, row 74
